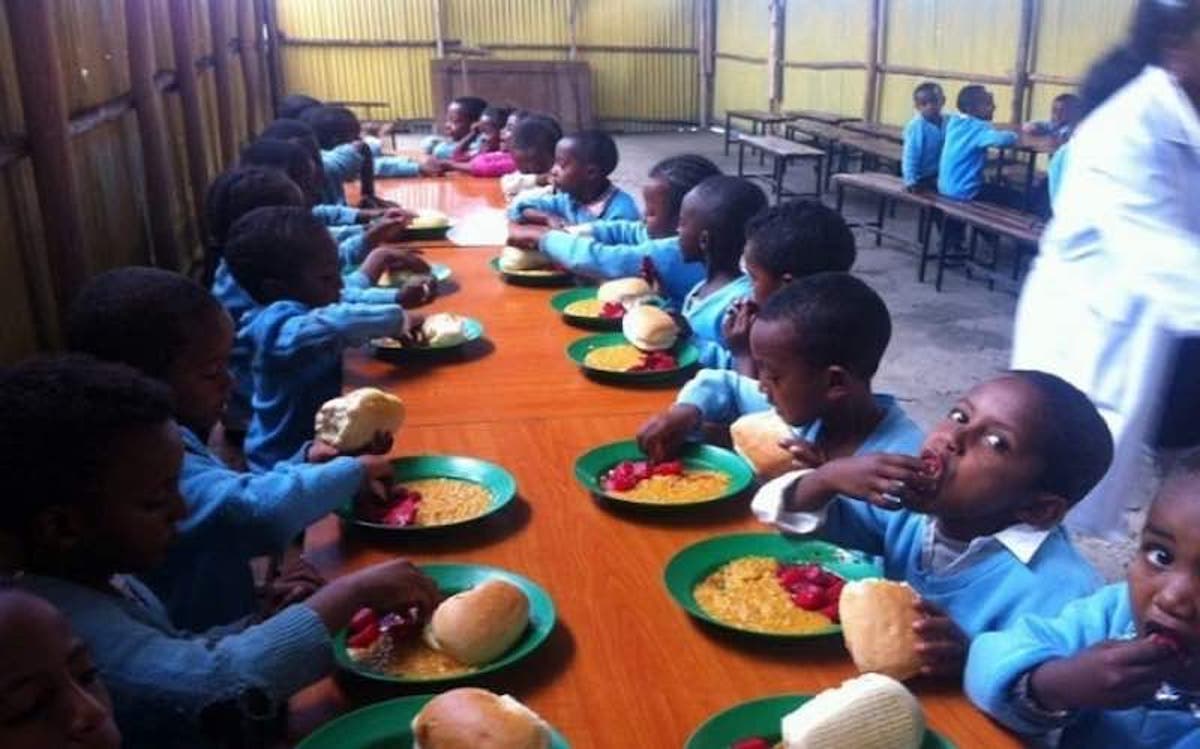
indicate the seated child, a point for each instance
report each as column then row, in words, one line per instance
column 515, row 117
column 492, row 159
column 293, row 106
column 974, row 525
column 582, row 163
column 1096, row 671
column 295, row 335
column 344, row 156
column 965, row 148
column 50, row 694
column 1065, row 113
column 171, row 329
column 534, row 139
column 79, row 535
column 619, row 249
column 786, row 242
column 457, row 130
column 923, row 137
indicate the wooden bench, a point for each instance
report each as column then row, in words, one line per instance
column 828, row 118
column 759, row 120
column 782, row 152
column 871, row 150
column 877, row 129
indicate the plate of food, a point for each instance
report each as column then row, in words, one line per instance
column 530, row 268
column 450, row 719
column 439, row 333
column 867, row 712
column 427, row 225
column 703, row 474
column 603, row 307
column 647, row 351
column 489, row 620
column 397, row 278
column 433, row 493
column 765, row 584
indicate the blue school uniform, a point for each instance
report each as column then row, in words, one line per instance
column 922, row 149
column 296, row 363
column 618, row 205
column 616, row 249
column 998, row 659
column 344, row 163
column 705, row 314
column 441, row 148
column 1055, row 170
column 162, row 679
column 336, row 215
column 964, row 154
column 234, row 517
column 723, row 395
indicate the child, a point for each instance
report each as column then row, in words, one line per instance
column 79, row 535
column 50, row 694
column 617, row 249
column 533, row 143
column 293, row 106
column 582, row 163
column 461, row 115
column 345, row 156
column 287, row 263
column 1095, row 670
column 784, row 243
column 964, row 151
column 171, row 329
column 492, row 159
column 974, row 525
column 1064, row 116
column 923, row 137
column 515, row 117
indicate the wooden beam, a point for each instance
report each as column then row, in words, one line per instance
column 251, row 74
column 573, row 28
column 775, row 54
column 439, row 28
column 1056, row 80
column 740, row 58
column 1021, row 64
column 103, row 113
column 152, row 129
column 189, row 99
column 1002, row 80
column 218, row 24
column 825, row 65
column 871, row 97
column 706, row 49
column 43, row 98
column 274, row 54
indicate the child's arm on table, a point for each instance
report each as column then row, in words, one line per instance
column 717, row 396
column 541, row 209
column 346, row 324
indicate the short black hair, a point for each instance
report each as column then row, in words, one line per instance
column 292, row 106
column 1074, row 441
column 62, row 415
column 682, row 173
column 332, row 125
column 281, row 155
column 927, row 87
column 971, row 97
column 839, row 321
column 294, row 130
column 274, row 243
column 726, row 204
column 235, row 193
column 499, row 115
column 1159, row 24
column 800, row 238
column 138, row 316
column 472, row 106
column 1068, row 98
column 1185, row 465
column 595, row 148
column 537, row 133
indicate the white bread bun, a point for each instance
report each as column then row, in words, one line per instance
column 444, row 329
column 877, row 624
column 516, row 259
column 756, row 438
column 470, row 718
column 478, row 625
column 872, row 711
column 350, row 422
column 649, row 328
column 429, row 219
column 624, row 290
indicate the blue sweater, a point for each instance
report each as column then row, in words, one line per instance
column 441, row 148
column 296, row 364
column 162, row 679
column 234, row 517
column 616, row 249
column 1055, row 169
column 922, row 149
column 344, row 163
column 336, row 215
column 998, row 659
column 705, row 315
column 723, row 395
column 620, row 205
column 964, row 154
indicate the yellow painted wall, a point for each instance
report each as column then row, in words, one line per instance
column 741, row 30
column 1065, row 45
column 821, row 31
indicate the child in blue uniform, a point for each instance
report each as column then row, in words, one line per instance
column 173, row 330
column 293, row 106
column 974, row 525
column 784, row 243
column 923, row 137
column 345, row 156
column 534, row 140
column 80, row 534
column 582, row 164
column 457, row 129
column 964, row 151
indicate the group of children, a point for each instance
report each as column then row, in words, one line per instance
column 141, row 538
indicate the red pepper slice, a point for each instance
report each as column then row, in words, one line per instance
column 363, row 618
column 364, row 638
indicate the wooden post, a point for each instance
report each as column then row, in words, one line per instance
column 152, row 129
column 775, row 55
column 874, row 42
column 189, row 98
column 274, row 54
column 248, row 51
column 572, row 28
column 218, row 22
column 706, row 48
column 439, row 32
column 40, row 79
column 1021, row 66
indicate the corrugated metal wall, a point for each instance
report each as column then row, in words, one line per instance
column 741, row 32
column 826, row 32
column 1070, row 34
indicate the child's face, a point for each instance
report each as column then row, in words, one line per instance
column 506, row 134
column 318, row 281
column 569, row 174
column 50, row 695
column 199, row 377
column 661, row 221
column 762, row 281
column 457, row 124
column 929, row 104
column 1164, row 577
column 532, row 161
column 798, row 391
column 693, row 232
column 986, row 109
column 490, row 130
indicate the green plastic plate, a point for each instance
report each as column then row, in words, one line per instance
column 560, row 302
column 761, row 718
column 591, row 465
column 499, row 482
column 532, row 278
column 472, row 329
column 692, row 564
column 428, row 234
column 440, row 272
column 455, row 578
column 686, row 355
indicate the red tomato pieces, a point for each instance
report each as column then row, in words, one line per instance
column 367, row 626
column 655, row 361
column 364, row 629
column 811, row 587
column 627, row 474
column 400, row 510
column 612, row 310
column 753, row 742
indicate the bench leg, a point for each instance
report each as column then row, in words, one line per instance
column 741, row 158
column 728, row 132
column 879, row 221
column 925, row 249
column 817, row 168
column 760, row 128
column 941, row 263
column 841, row 195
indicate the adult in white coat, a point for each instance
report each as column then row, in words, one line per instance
column 1117, row 282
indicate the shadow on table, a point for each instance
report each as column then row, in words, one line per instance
column 716, row 513
column 413, row 364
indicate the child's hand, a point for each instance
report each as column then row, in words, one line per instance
column 805, row 453
column 417, row 293
column 556, row 222
column 663, row 435
column 875, row 478
column 321, row 452
column 386, row 230
column 394, row 586
column 431, row 166
column 1111, row 675
column 383, row 259
column 374, row 201
column 526, row 236
column 943, row 644
column 367, row 215
column 735, row 327
column 543, row 179
column 296, row 582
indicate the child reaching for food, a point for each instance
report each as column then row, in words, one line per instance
column 1117, row 668
column 79, row 536
column 583, row 191
column 534, row 139
column 974, row 523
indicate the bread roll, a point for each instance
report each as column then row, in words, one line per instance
column 350, row 422
column 756, row 438
column 624, row 290
column 877, row 624
column 868, row 712
column 471, row 718
column 516, row 259
column 429, row 219
column 649, row 328
column 478, row 625
column 444, row 329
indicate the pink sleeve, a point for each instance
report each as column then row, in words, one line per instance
column 494, row 164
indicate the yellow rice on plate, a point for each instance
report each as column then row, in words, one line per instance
column 744, row 593
column 584, row 308
column 619, row 358
column 445, row 501
column 412, row 658
column 691, row 487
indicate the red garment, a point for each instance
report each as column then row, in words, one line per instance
column 493, row 164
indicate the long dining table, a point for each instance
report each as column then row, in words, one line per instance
column 625, row 667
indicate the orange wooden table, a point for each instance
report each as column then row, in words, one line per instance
column 626, row 668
